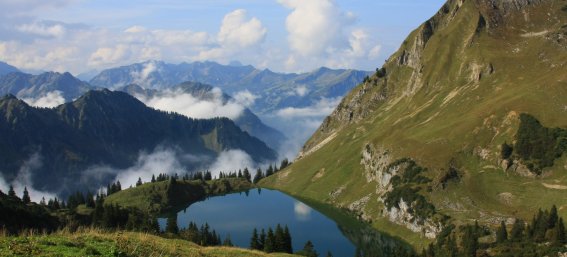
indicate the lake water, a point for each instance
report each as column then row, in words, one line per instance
column 239, row 213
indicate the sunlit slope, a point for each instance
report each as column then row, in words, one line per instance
column 447, row 99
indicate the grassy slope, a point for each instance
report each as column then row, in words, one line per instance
column 97, row 243
column 161, row 196
column 448, row 119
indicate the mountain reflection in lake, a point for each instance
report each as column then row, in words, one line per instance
column 239, row 213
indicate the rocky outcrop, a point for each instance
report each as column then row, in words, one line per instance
column 380, row 167
column 403, row 216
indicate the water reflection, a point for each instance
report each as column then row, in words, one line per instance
column 302, row 211
column 238, row 214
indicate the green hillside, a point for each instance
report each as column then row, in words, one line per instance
column 160, row 197
column 419, row 143
column 99, row 243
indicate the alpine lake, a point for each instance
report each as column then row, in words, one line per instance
column 330, row 230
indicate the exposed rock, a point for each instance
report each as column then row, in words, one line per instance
column 359, row 205
column 375, row 161
column 404, row 217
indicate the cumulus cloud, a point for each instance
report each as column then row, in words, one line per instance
column 142, row 77
column 319, row 32
column 245, row 98
column 230, row 161
column 190, row 106
column 109, row 55
column 24, row 179
column 168, row 161
column 49, row 100
column 42, row 29
column 315, row 25
column 301, row 91
column 237, row 31
column 148, row 164
column 323, row 107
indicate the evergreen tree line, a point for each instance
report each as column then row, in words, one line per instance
column 545, row 235
column 271, row 170
column 203, row 236
column 278, row 240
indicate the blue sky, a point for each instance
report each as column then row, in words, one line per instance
column 282, row 35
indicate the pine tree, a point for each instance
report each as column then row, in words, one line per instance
column 553, row 217
column 279, row 239
column 258, row 176
column 470, row 242
column 269, row 244
column 254, row 243
column 262, row 240
column 517, row 232
column 171, row 226
column 139, row 182
column 287, row 238
column 26, row 197
column 42, row 202
column 246, row 174
column 502, row 233
column 309, row 250
column 269, row 171
column 558, row 233
column 284, row 164
column 11, row 192
column 153, row 179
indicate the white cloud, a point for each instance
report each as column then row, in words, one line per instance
column 147, row 164
column 24, row 178
column 109, row 55
column 321, row 34
column 301, row 91
column 245, row 98
column 238, row 32
column 230, row 161
column 190, row 106
column 314, row 25
column 142, row 77
column 322, row 108
column 40, row 29
column 49, row 100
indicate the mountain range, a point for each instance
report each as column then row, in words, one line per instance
column 246, row 120
column 465, row 122
column 274, row 91
column 7, row 68
column 25, row 85
column 108, row 128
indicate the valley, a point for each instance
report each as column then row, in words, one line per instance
column 454, row 146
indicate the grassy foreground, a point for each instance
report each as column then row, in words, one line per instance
column 91, row 242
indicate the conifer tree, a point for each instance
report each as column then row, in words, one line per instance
column 501, row 233
column 254, row 243
column 287, row 238
column 153, row 178
column 279, row 239
column 553, row 217
column 517, row 232
column 262, row 240
column 558, row 233
column 139, row 182
column 11, row 192
column 26, row 196
column 171, row 226
column 269, row 244
column 309, row 250
column 246, row 174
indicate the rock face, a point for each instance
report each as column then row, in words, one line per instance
column 380, row 168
